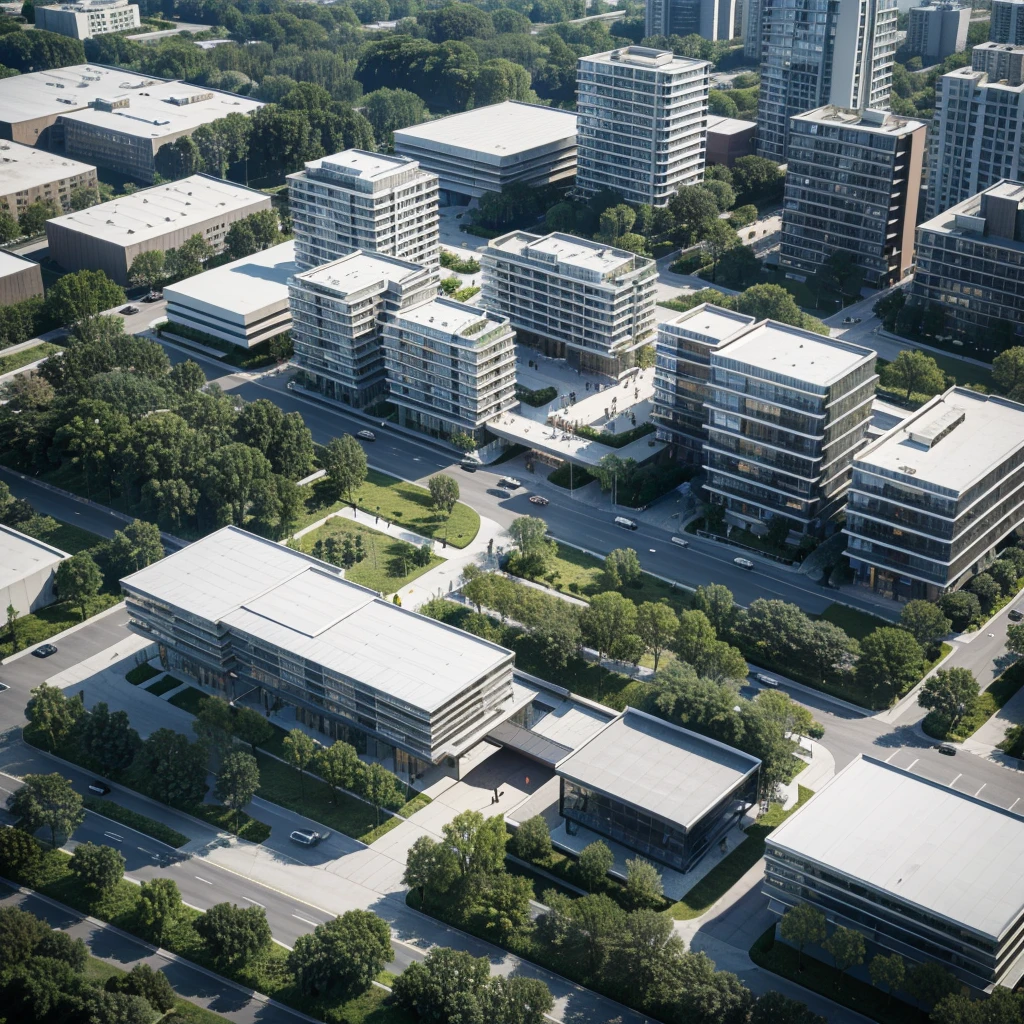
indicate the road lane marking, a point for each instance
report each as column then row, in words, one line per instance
column 304, row 920
column 983, row 785
column 953, row 783
column 256, row 902
column 114, row 836
column 912, row 763
column 1014, row 804
column 208, row 882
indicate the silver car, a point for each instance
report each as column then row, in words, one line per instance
column 307, row 837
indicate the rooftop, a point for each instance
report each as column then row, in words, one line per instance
column 11, row 264
column 658, row 767
column 729, row 125
column 648, row 58
column 306, row 607
column 244, row 286
column 792, row 352
column 967, row 220
column 449, row 316
column 357, row 165
column 558, row 250
column 62, row 90
column 891, row 830
column 21, row 556
column 879, row 121
column 497, row 131
column 165, row 108
column 713, row 324
column 359, row 270
column 25, row 167
column 152, row 212
column 950, row 442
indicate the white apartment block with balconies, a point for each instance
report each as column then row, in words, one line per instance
column 576, row 299
column 641, row 118
column 364, row 201
column 88, row 18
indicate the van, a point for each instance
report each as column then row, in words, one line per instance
column 627, row 524
column 744, row 563
column 681, row 541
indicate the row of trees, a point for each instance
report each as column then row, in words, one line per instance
column 761, row 301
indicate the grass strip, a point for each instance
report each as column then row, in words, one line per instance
column 188, row 700
column 236, row 822
column 139, row 822
column 162, row 686
column 142, row 673
column 16, row 360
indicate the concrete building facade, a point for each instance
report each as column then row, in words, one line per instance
column 86, row 19
column 710, row 19
column 970, row 261
column 818, row 52
column 364, row 201
column 977, row 135
column 109, row 236
column 1007, row 22
column 852, row 186
column 451, row 367
column 28, row 568
column 20, row 279
column 936, row 30
column 788, row 411
column 641, row 118
column 488, row 148
column 933, row 496
column 728, row 139
column 28, row 174
column 576, row 299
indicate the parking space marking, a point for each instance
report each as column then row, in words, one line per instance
column 953, row 783
column 1014, row 804
column 983, row 785
column 891, row 756
column 912, row 763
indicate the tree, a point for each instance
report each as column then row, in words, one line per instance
column 9, row 229
column 251, row 727
column 891, row 661
column 1008, row 372
column 159, row 906
column 847, row 948
column 151, row 985
column 380, row 787
column 51, row 711
column 656, row 624
column 609, row 625
column 214, row 724
column 240, row 241
column 299, row 750
column 477, row 843
column 803, row 925
column 345, row 463
column 100, row 867
column 775, row 1008
column 925, row 622
column 170, row 769
column 716, row 602
column 622, row 568
column 78, row 580
column 528, row 533
column 238, row 781
column 62, row 947
column 755, row 175
column 186, row 378
column 430, row 866
column 515, row 1000
column 148, row 269
column 914, row 372
column 339, row 766
column 888, row 971
column 532, row 840
column 507, row 905
column 136, row 546
column 595, row 861
column 986, row 589
column 442, row 989
column 719, row 238
column 235, row 935
column 190, row 257
column 47, row 801
column 952, row 693
column 20, row 934
column 108, row 739
column 343, row 956
column 697, row 209
column 829, row 646
column 388, row 110
column 444, row 492
column 20, row 857
column 643, row 884
column 178, row 159
column 772, row 302
column 34, row 217
column 82, row 294
column 962, row 608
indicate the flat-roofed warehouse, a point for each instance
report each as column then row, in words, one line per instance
column 921, row 869
column 108, row 237
column 28, row 174
column 244, row 302
column 20, row 279
column 485, row 149
column 27, row 570
column 657, row 788
column 238, row 613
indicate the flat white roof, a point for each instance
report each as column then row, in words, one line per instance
column 63, row 90
column 882, row 122
column 498, row 130
column 922, row 842
column 983, row 432
column 647, row 58
column 152, row 212
column 25, row 167
column 11, row 264
column 358, row 163
column 22, row 556
column 359, row 270
column 659, row 767
column 244, row 286
column 151, row 114
column 569, row 251
column 793, row 352
column 729, row 125
column 713, row 323
column 304, row 606
column 451, row 317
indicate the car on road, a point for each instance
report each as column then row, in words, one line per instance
column 851, row 319
column 537, row 499
column 681, row 541
column 499, row 493
column 469, row 466
column 743, row 563
column 366, row 435
column 44, row 651
column 307, row 837
column 946, row 748
column 626, row 524
column 1015, row 615
column 510, row 481
column 129, row 310
column 152, row 297
column 766, row 680
column 96, row 786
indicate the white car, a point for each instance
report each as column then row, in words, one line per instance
column 510, row 481
column 537, row 499
column 366, row 435
column 766, row 680
column 744, row 563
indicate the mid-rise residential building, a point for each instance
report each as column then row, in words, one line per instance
column 728, row 139
column 244, row 615
column 451, row 367
column 576, row 299
column 1007, row 22
column 86, row 19
column 682, row 375
column 921, row 869
column 977, row 136
column 364, row 201
column 28, row 174
column 488, row 148
column 970, row 261
column 817, row 52
column 852, row 186
column 932, row 497
column 20, row 279
column 641, row 121
column 338, row 311
column 109, row 236
column 936, row 30
column 788, row 410
column 711, row 19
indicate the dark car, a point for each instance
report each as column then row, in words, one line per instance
column 129, row 310
column 1015, row 615
column 469, row 466
column 44, row 651
column 948, row 749
column 96, row 786
column 153, row 297
column 307, row 837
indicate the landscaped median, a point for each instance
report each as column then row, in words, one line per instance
column 16, row 360
column 937, row 723
column 140, row 822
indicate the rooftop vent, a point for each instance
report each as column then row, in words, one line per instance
column 934, row 429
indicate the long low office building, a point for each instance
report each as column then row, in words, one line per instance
column 240, row 613
column 28, row 568
column 108, row 237
column 657, row 788
column 488, row 148
column 920, row 869
column 20, row 279
column 28, row 174
column 244, row 302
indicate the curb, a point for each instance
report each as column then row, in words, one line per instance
column 67, row 632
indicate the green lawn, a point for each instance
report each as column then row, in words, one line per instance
column 225, row 819
column 397, row 502
column 65, row 536
column 139, row 822
column 142, row 673
column 162, row 686
column 188, row 700
column 857, row 623
column 379, row 569
column 16, row 360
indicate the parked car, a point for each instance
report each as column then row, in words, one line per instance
column 948, row 749
column 469, row 466
column 851, row 319
column 152, row 297
column 744, row 563
column 510, row 482
column 97, row 786
column 44, row 651
column 766, row 680
column 681, row 541
column 366, row 435
column 1015, row 615
column 307, row 837
column 129, row 310
column 626, row 524
column 537, row 499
